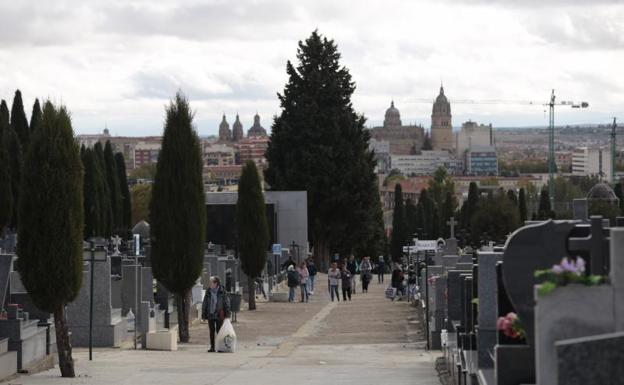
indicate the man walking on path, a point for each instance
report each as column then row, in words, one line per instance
column 381, row 269
column 352, row 267
column 365, row 273
column 346, row 278
column 312, row 271
column 333, row 278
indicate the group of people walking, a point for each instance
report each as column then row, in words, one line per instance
column 345, row 276
column 302, row 276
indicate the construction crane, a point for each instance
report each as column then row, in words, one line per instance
column 551, row 126
column 613, row 128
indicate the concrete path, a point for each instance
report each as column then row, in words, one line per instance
column 369, row 340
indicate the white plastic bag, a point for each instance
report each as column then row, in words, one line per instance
column 226, row 338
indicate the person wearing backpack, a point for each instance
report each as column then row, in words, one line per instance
column 215, row 308
column 366, row 270
column 303, row 281
column 293, row 282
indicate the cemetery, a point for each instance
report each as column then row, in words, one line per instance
column 547, row 307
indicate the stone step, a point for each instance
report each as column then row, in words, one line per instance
column 8, row 364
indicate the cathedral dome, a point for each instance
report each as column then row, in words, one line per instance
column 603, row 192
column 441, row 104
column 237, row 130
column 256, row 129
column 393, row 117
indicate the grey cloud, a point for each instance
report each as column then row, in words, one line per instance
column 584, row 31
column 201, row 21
column 154, row 85
column 537, row 3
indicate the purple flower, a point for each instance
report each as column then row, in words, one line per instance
column 557, row 269
column 580, row 265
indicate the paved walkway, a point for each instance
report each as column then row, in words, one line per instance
column 369, row 340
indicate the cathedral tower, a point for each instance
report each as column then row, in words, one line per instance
column 225, row 135
column 441, row 127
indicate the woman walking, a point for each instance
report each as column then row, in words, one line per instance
column 215, row 308
column 366, row 270
column 312, row 277
column 303, row 281
column 334, row 277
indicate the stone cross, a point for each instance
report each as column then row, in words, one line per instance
column 596, row 243
column 116, row 242
column 451, row 222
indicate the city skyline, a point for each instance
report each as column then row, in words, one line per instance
column 129, row 60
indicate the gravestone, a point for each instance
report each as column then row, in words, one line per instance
column 454, row 290
column 109, row 327
column 19, row 295
column 488, row 311
column 6, row 265
column 147, row 285
column 595, row 245
column 591, row 360
column 580, row 209
column 530, row 248
column 131, row 287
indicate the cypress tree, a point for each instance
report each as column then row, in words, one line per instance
column 436, row 223
column 470, row 205
column 35, row 118
column 6, row 193
column 92, row 210
column 253, row 229
column 178, row 210
column 14, row 159
column 511, row 194
column 18, row 120
column 522, row 206
column 427, row 213
column 51, row 224
column 103, row 194
column 411, row 218
column 113, row 187
column 620, row 194
column 319, row 145
column 448, row 210
column 126, row 204
column 399, row 236
column 544, row 210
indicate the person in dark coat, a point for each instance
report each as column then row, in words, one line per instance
column 345, row 276
column 353, row 268
column 289, row 262
column 293, row 282
column 215, row 308
column 397, row 280
column 312, row 270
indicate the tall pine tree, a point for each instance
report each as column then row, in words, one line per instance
column 103, row 194
column 178, row 210
column 399, row 228
column 51, row 224
column 319, row 145
column 544, row 210
column 114, row 188
column 126, row 204
column 522, row 205
column 6, row 193
column 14, row 150
column 253, row 229
column 18, row 120
column 35, row 117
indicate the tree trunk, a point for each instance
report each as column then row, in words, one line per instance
column 63, row 344
column 321, row 254
column 251, row 288
column 183, row 303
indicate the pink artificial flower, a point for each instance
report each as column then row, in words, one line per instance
column 557, row 269
column 580, row 265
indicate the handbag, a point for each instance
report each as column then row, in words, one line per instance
column 391, row 292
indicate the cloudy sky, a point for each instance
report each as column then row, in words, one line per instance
column 118, row 62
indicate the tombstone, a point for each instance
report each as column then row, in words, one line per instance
column 591, row 360
column 109, row 327
column 580, row 209
column 147, row 285
column 577, row 311
column 6, row 265
column 19, row 295
column 454, row 305
column 530, row 248
column 488, row 312
column 594, row 245
column 131, row 287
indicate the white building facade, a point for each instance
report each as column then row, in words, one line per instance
column 588, row 161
